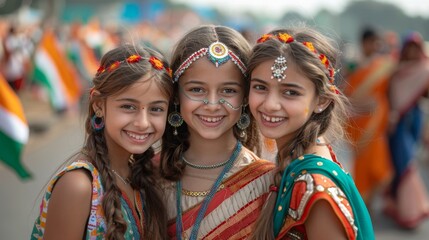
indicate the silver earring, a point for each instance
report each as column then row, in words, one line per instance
column 175, row 119
column 244, row 120
column 320, row 110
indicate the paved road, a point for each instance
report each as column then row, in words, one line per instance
column 47, row 150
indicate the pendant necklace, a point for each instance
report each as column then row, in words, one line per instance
column 206, row 201
column 125, row 181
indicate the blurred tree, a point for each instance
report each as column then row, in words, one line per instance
column 10, row 6
column 385, row 16
column 292, row 18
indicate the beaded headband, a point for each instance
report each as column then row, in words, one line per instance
column 218, row 53
column 280, row 63
column 154, row 61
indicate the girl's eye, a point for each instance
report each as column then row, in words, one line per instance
column 229, row 90
column 129, row 107
column 196, row 90
column 259, row 87
column 157, row 109
column 291, row 93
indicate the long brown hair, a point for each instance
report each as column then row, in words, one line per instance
column 142, row 178
column 328, row 123
column 202, row 37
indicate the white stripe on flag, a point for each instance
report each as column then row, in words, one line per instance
column 13, row 126
column 46, row 65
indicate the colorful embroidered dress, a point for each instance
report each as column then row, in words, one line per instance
column 96, row 226
column 234, row 208
column 311, row 178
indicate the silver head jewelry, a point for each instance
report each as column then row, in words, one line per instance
column 278, row 69
column 218, row 53
column 280, row 66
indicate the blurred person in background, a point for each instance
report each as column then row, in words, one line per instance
column 391, row 44
column 366, row 88
column 407, row 198
column 17, row 48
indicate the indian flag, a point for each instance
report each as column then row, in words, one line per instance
column 14, row 131
column 84, row 59
column 54, row 71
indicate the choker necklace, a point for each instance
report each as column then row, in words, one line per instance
column 212, row 166
column 207, row 199
column 125, row 181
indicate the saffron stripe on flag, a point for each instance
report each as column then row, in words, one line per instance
column 54, row 71
column 14, row 130
column 13, row 126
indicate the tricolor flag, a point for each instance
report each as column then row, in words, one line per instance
column 54, row 71
column 84, row 59
column 14, row 131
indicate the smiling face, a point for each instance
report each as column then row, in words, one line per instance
column 281, row 108
column 134, row 118
column 211, row 98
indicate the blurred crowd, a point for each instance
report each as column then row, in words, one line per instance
column 20, row 40
column 385, row 75
column 388, row 87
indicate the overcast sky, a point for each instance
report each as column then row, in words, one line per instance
column 308, row 8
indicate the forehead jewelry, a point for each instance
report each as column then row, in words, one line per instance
column 278, row 69
column 218, row 53
column 286, row 38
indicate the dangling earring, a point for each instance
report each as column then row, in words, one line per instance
column 244, row 120
column 97, row 121
column 175, row 120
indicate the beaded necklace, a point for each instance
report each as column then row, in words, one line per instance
column 207, row 199
column 197, row 166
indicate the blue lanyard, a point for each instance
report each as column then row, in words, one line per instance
column 206, row 201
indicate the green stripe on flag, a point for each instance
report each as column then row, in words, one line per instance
column 10, row 154
column 40, row 77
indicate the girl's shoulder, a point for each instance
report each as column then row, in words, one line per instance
column 71, row 192
column 309, row 181
column 77, row 176
column 311, row 178
column 77, row 182
column 79, row 166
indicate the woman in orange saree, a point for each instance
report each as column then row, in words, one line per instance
column 366, row 88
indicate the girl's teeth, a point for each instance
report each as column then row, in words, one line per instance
column 272, row 119
column 138, row 137
column 210, row 119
